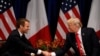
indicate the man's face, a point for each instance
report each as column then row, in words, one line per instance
column 25, row 28
column 72, row 27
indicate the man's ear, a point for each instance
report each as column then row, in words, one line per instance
column 21, row 26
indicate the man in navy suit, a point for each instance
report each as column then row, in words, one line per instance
column 17, row 44
column 87, row 37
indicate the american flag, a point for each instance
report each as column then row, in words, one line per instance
column 7, row 19
column 69, row 8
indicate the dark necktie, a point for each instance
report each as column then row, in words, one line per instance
column 25, row 40
column 23, row 37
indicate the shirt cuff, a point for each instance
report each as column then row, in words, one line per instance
column 39, row 52
column 32, row 54
column 53, row 54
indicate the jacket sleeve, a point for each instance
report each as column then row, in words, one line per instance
column 27, row 47
column 65, row 48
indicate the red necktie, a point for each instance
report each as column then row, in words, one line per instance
column 79, row 44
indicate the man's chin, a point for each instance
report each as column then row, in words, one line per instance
column 70, row 31
column 26, row 32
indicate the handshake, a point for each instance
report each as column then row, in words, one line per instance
column 46, row 53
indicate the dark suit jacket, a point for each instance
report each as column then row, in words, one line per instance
column 17, row 45
column 90, row 43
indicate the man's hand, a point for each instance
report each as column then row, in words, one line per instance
column 32, row 54
column 46, row 53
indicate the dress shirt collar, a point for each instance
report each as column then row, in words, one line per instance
column 79, row 31
column 20, row 33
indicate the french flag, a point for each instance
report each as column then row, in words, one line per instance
column 39, row 28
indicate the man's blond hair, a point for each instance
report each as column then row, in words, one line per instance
column 74, row 21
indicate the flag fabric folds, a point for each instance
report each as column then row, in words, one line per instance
column 94, row 18
column 7, row 19
column 39, row 26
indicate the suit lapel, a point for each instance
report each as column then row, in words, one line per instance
column 23, row 38
column 73, row 40
column 83, row 36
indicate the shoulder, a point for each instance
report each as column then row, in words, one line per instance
column 88, row 29
column 14, row 32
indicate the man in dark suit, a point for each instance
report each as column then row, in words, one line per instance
column 17, row 44
column 86, row 45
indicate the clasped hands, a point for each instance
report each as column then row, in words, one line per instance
column 46, row 53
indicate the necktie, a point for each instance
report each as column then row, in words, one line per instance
column 25, row 40
column 23, row 37
column 79, row 45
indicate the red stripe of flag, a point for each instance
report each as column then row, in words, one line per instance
column 5, row 23
column 63, row 25
column 2, row 35
column 75, row 12
column 67, row 15
column 58, row 35
column 11, row 17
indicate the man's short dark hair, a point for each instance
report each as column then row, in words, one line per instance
column 21, row 21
